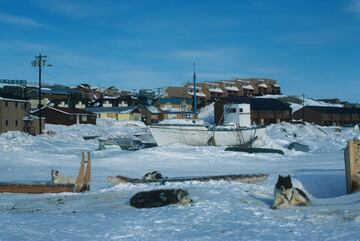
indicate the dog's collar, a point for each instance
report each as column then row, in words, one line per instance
column 292, row 195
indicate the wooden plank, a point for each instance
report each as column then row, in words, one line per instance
column 35, row 188
column 352, row 166
column 244, row 178
column 87, row 177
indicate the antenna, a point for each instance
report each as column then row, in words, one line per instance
column 195, row 104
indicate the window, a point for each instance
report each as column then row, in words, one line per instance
column 240, row 110
column 6, row 104
column 188, row 116
column 16, row 104
column 83, row 118
column 6, row 122
column 16, row 123
column 232, row 110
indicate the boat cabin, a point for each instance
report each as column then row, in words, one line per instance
column 237, row 114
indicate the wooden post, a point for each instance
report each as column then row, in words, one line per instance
column 352, row 166
column 80, row 178
column 87, row 176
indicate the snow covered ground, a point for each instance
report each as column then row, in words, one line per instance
column 222, row 210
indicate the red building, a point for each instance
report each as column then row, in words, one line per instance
column 66, row 116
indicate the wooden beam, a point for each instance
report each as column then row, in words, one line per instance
column 352, row 166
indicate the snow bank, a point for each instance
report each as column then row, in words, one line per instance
column 207, row 114
column 105, row 128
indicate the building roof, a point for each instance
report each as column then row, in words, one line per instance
column 248, row 87
column 10, row 97
column 67, row 111
column 121, row 110
column 177, row 111
column 55, row 91
column 332, row 109
column 216, row 90
column 152, row 109
column 198, row 94
column 259, row 103
column 263, row 85
column 175, row 100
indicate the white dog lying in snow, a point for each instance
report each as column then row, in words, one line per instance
column 58, row 179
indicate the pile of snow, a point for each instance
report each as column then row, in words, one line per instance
column 104, row 128
column 13, row 139
column 207, row 114
column 318, row 138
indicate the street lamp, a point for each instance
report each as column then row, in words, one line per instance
column 39, row 62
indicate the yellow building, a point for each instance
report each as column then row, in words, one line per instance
column 176, row 108
column 117, row 113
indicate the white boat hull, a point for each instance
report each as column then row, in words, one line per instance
column 235, row 137
column 202, row 136
column 187, row 135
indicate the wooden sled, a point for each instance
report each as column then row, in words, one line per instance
column 81, row 184
column 254, row 178
column 254, row 150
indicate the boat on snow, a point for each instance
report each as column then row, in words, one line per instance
column 235, row 131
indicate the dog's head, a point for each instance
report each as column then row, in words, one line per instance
column 154, row 175
column 182, row 197
column 283, row 183
column 54, row 173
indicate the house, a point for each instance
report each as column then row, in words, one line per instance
column 110, row 101
column 15, row 116
column 212, row 91
column 146, row 96
column 208, row 92
column 187, row 92
column 264, row 111
column 32, row 124
column 111, row 91
column 150, row 114
column 117, row 113
column 326, row 115
column 175, row 102
column 175, row 108
column 177, row 114
column 85, row 92
column 66, row 116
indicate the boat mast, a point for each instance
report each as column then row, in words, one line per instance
column 195, row 104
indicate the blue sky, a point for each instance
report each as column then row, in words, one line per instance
column 310, row 47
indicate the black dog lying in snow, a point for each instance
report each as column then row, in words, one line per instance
column 159, row 198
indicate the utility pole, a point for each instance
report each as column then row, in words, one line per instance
column 303, row 109
column 194, row 79
column 39, row 62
